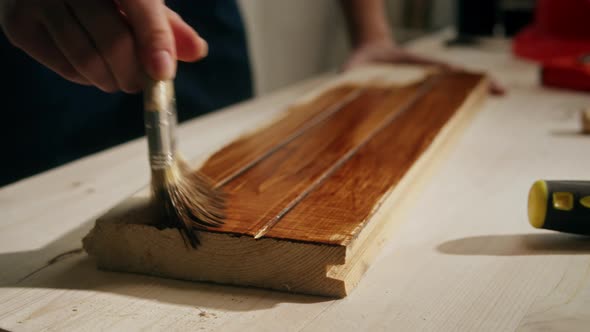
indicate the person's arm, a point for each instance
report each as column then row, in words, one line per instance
column 110, row 44
column 367, row 22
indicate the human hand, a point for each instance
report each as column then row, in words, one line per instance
column 386, row 51
column 110, row 44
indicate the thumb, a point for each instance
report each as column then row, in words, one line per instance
column 153, row 36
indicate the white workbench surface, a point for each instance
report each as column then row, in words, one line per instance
column 463, row 257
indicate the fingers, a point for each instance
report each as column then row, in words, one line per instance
column 112, row 39
column 411, row 58
column 388, row 54
column 496, row 88
column 107, row 43
column 36, row 42
column 71, row 39
column 189, row 45
column 153, row 36
column 355, row 60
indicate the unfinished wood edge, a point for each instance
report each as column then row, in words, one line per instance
column 221, row 258
column 390, row 211
column 125, row 239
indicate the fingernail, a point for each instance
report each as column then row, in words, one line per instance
column 204, row 49
column 161, row 65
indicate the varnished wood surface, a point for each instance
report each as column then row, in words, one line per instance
column 243, row 153
column 339, row 208
column 258, row 198
column 299, row 192
column 463, row 259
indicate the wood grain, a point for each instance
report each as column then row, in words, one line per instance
column 243, row 153
column 263, row 194
column 339, row 208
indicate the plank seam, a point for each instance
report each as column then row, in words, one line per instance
column 316, row 120
column 424, row 88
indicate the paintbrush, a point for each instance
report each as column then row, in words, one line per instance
column 188, row 198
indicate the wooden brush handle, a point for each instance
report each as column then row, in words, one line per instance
column 160, row 122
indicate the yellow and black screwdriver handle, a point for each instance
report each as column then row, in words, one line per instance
column 561, row 206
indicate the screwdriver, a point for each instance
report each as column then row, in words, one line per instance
column 562, row 206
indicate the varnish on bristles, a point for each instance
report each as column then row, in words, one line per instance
column 190, row 200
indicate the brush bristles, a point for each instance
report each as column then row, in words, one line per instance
column 189, row 198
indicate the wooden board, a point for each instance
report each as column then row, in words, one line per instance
column 308, row 195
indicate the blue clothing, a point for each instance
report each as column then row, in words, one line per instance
column 50, row 121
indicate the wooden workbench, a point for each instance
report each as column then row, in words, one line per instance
column 462, row 257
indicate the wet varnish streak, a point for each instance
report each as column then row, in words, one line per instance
column 317, row 174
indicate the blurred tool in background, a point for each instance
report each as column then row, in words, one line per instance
column 471, row 19
column 488, row 18
column 559, row 39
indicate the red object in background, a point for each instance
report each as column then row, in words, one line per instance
column 559, row 39
column 567, row 72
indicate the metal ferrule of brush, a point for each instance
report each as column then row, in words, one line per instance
column 160, row 123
